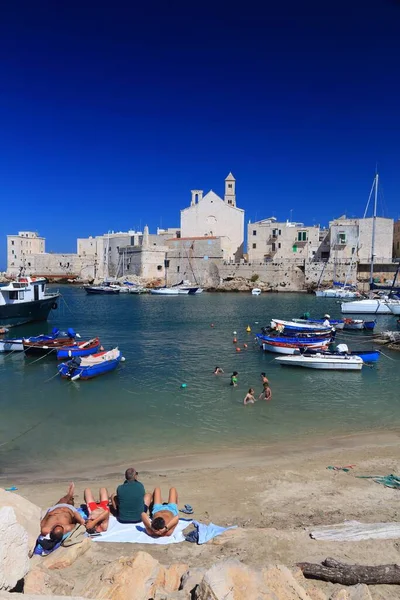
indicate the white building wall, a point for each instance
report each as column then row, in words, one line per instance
column 213, row 217
column 349, row 234
column 19, row 246
column 270, row 240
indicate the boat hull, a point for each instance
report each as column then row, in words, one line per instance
column 366, row 307
column 368, row 356
column 323, row 363
column 20, row 313
column 77, row 350
column 11, row 346
column 68, row 371
column 286, row 349
column 46, row 347
column 395, row 309
column 165, row 292
column 300, row 327
column 101, row 290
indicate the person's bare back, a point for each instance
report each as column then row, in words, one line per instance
column 62, row 514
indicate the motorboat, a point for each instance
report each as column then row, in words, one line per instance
column 368, row 356
column 255, row 291
column 91, row 366
column 337, row 293
column 25, row 300
column 322, row 361
column 281, row 325
column 287, row 348
column 369, row 306
column 165, row 291
column 359, row 324
column 101, row 289
column 46, row 346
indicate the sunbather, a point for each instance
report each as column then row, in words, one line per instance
column 99, row 512
column 165, row 517
column 62, row 517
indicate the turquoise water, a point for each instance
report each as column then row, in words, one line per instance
column 141, row 410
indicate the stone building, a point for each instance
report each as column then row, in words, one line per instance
column 354, row 236
column 396, row 239
column 269, row 240
column 212, row 216
column 105, row 251
column 197, row 260
column 19, row 247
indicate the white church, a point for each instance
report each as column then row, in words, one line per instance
column 213, row 216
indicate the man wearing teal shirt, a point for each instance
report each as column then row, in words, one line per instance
column 131, row 499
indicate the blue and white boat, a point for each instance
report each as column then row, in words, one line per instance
column 336, row 323
column 368, row 356
column 91, row 366
column 17, row 344
column 280, row 325
column 79, row 349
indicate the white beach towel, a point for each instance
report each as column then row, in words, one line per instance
column 354, row 531
column 136, row 534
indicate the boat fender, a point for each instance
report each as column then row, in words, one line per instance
column 54, row 306
column 75, row 377
column 244, row 345
column 183, row 385
column 69, row 353
column 123, row 359
column 235, row 332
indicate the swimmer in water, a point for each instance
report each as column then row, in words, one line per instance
column 218, row 371
column 266, row 393
column 249, row 399
column 234, row 380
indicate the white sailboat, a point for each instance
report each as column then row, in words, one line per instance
column 371, row 305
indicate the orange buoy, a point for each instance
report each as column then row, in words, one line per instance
column 238, row 349
column 212, row 324
column 234, row 340
column 244, row 345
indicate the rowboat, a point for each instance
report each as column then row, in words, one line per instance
column 321, row 361
column 79, row 349
column 282, row 348
column 336, row 323
column 359, row 324
column 17, row 344
column 281, row 325
column 90, row 366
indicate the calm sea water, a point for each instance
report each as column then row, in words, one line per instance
column 141, row 410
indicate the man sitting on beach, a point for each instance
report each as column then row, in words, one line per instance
column 131, row 499
column 62, row 517
column 165, row 517
column 99, row 512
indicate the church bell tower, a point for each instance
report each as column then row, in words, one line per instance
column 230, row 193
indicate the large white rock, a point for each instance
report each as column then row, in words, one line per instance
column 14, row 549
column 28, row 514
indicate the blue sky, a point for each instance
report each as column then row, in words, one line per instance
column 112, row 111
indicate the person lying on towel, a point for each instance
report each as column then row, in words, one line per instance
column 165, row 516
column 62, row 517
column 99, row 512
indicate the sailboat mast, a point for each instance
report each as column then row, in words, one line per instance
column 371, row 276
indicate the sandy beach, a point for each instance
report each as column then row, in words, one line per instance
column 275, row 495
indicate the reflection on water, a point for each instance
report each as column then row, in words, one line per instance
column 141, row 410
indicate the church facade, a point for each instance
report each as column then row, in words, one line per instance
column 213, row 216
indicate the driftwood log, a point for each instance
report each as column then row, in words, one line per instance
column 337, row 572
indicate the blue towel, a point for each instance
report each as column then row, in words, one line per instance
column 205, row 533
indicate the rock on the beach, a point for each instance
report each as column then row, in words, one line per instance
column 14, row 549
column 39, row 581
column 134, row 578
column 232, row 579
column 28, row 515
column 6, row 596
column 357, row 592
column 191, row 579
column 65, row 556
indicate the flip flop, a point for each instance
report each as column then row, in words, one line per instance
column 187, row 510
column 11, row 489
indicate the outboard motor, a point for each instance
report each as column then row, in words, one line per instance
column 71, row 333
column 73, row 365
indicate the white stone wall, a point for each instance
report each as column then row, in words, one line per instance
column 213, row 217
column 60, row 265
column 396, row 239
column 19, row 246
column 145, row 261
column 197, row 261
column 269, row 240
column 346, row 235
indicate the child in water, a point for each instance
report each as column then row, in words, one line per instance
column 249, row 399
column 218, row 371
column 234, row 378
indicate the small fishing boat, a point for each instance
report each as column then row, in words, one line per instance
column 368, row 356
column 322, row 361
column 256, row 291
column 336, row 323
column 90, row 366
column 17, row 344
column 359, row 324
column 79, row 349
column 284, row 348
column 101, row 289
column 281, row 325
column 395, row 308
column 165, row 291
column 42, row 346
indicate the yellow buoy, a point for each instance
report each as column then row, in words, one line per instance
column 248, row 329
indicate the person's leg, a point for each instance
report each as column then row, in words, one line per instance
column 114, row 502
column 148, row 499
column 69, row 496
column 103, row 494
column 157, row 496
column 88, row 496
column 173, row 496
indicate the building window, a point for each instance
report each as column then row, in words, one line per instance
column 294, row 248
column 273, row 247
column 254, row 232
column 353, row 250
column 254, row 246
column 178, row 234
column 279, row 245
column 29, row 264
column 159, row 267
column 341, row 238
column 274, row 233
column 12, row 242
column 280, row 232
column 178, row 269
column 13, row 295
column 12, row 251
column 230, row 186
column 302, row 236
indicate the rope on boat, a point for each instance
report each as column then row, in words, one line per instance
column 386, row 356
column 27, row 431
column 44, row 356
column 66, row 304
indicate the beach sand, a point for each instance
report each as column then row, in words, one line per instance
column 275, row 494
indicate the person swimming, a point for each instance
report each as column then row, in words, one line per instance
column 234, row 380
column 249, row 398
column 266, row 394
column 218, row 371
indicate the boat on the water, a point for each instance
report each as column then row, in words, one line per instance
column 45, row 346
column 338, row 293
column 90, row 366
column 369, row 306
column 255, row 291
column 322, row 361
column 290, row 344
column 359, row 324
column 25, row 300
column 336, row 323
column 281, row 325
column 165, row 291
column 395, row 308
column 101, row 289
column 368, row 356
column 17, row 344
column 79, row 349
